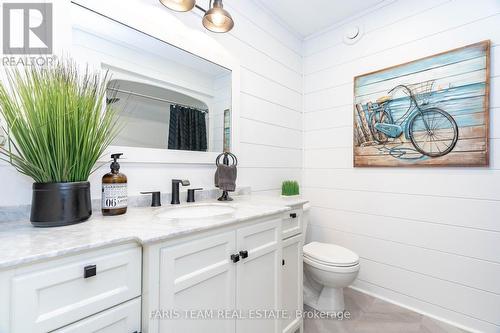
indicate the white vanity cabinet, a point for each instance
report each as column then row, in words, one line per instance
column 258, row 276
column 292, row 276
column 225, row 281
column 292, row 266
column 292, row 222
column 234, row 278
column 219, row 273
column 196, row 275
column 47, row 296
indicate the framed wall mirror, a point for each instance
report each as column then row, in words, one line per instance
column 175, row 106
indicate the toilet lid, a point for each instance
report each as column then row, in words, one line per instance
column 330, row 254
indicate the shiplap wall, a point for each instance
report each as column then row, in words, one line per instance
column 428, row 239
column 270, row 111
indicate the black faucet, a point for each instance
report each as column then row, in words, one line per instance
column 175, row 190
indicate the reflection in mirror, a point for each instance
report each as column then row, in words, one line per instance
column 169, row 98
column 155, row 117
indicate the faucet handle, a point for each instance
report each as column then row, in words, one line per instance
column 190, row 196
column 183, row 182
column 155, row 198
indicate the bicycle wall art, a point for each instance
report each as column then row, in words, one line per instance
column 429, row 112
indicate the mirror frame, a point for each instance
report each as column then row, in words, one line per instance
column 196, row 42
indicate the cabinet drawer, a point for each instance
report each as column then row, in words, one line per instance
column 292, row 223
column 124, row 318
column 56, row 294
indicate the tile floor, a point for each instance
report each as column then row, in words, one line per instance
column 372, row 315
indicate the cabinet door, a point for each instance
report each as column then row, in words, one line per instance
column 259, row 276
column 292, row 283
column 195, row 278
column 124, row 318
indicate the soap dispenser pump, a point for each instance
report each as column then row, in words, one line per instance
column 114, row 190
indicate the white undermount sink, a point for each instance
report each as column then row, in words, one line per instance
column 198, row 211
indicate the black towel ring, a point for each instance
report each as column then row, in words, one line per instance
column 226, row 156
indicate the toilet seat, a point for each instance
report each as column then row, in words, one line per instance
column 323, row 255
column 331, row 268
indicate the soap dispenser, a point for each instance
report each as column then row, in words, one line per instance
column 114, row 190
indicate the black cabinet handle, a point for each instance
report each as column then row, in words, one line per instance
column 235, row 258
column 293, row 215
column 89, row 271
column 244, row 254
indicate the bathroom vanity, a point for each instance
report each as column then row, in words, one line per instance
column 144, row 273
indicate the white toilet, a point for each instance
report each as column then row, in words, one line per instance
column 328, row 270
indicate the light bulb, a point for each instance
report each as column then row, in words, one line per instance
column 218, row 19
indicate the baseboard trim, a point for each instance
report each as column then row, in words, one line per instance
column 417, row 310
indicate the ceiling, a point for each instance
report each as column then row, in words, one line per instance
column 306, row 17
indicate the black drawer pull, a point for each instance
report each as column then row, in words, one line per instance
column 89, row 271
column 244, row 254
column 293, row 215
column 235, row 258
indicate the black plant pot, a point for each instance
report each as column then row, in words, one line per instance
column 59, row 204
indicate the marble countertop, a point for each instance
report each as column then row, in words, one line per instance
column 21, row 243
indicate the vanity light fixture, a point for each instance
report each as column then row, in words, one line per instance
column 216, row 18
column 179, row 5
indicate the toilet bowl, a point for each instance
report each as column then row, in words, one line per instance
column 330, row 268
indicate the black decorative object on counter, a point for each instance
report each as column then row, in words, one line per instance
column 221, row 181
column 60, row 204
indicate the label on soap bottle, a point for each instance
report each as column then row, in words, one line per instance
column 114, row 196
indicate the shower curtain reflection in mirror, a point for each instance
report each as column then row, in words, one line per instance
column 187, row 129
column 161, row 118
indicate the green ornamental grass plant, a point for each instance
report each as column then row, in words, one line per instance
column 290, row 187
column 56, row 125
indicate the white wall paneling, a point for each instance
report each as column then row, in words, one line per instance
column 428, row 238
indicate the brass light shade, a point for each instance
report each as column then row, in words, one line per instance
column 179, row 5
column 217, row 19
